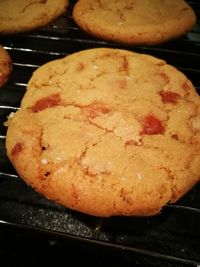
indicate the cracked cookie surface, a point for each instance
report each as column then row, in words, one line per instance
column 26, row 15
column 5, row 66
column 134, row 21
column 108, row 132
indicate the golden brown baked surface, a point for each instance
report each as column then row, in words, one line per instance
column 108, row 132
column 135, row 22
column 26, row 15
column 5, row 66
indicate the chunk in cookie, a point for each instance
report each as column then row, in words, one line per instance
column 108, row 132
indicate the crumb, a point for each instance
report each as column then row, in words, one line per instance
column 9, row 118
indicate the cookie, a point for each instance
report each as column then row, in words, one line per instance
column 108, row 132
column 26, row 15
column 134, row 21
column 5, row 66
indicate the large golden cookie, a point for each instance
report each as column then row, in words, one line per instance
column 135, row 22
column 26, row 15
column 5, row 66
column 108, row 132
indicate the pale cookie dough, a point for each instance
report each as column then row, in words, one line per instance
column 146, row 22
column 26, row 15
column 108, row 132
column 5, row 66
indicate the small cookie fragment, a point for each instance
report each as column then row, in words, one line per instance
column 134, row 21
column 103, row 144
column 27, row 15
column 5, row 66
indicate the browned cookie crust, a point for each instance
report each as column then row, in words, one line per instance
column 135, row 22
column 26, row 15
column 108, row 132
column 5, row 66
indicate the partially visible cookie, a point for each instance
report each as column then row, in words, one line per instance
column 134, row 21
column 5, row 66
column 26, row 15
column 108, row 132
